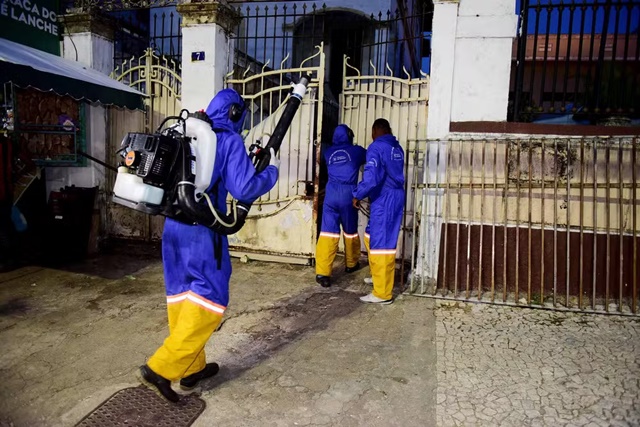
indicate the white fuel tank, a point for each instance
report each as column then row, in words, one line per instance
column 203, row 148
column 130, row 187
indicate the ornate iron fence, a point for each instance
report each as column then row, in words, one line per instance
column 283, row 35
column 576, row 61
column 136, row 31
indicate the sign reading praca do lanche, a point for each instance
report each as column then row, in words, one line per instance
column 31, row 22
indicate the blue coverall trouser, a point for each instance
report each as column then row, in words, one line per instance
column 337, row 211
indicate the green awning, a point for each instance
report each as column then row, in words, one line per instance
column 26, row 67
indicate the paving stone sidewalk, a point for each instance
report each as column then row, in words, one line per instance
column 519, row 367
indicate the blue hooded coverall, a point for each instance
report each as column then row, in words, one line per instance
column 383, row 183
column 343, row 165
column 197, row 283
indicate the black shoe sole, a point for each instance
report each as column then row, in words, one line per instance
column 197, row 383
column 154, row 388
column 326, row 283
column 352, row 269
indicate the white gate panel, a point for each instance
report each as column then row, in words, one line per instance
column 283, row 221
column 403, row 101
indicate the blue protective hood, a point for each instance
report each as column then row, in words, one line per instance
column 389, row 139
column 341, row 136
column 218, row 110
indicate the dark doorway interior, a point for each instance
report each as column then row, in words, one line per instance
column 343, row 34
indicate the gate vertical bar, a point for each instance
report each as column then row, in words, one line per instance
column 482, row 195
column 445, row 222
column 518, row 189
column 494, row 220
column 459, row 219
column 621, row 222
column 634, row 204
column 469, row 220
column 530, row 222
column 582, row 185
column 555, row 225
column 542, row 223
column 607, row 207
column 505, row 200
column 567, row 279
column 595, row 221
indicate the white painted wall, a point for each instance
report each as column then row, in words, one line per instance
column 484, row 38
column 89, row 49
column 470, row 73
column 443, row 45
column 201, row 80
column 471, row 62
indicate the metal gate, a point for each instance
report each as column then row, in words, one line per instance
column 403, row 101
column 158, row 78
column 283, row 221
column 540, row 222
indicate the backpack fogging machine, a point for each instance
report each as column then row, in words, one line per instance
column 168, row 173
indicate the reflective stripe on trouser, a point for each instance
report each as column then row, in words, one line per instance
column 383, row 267
column 192, row 320
column 326, row 250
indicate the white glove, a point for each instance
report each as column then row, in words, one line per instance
column 273, row 160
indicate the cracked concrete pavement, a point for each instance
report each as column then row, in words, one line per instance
column 293, row 353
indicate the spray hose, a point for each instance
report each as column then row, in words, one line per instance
column 205, row 213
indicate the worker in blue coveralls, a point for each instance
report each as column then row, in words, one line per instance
column 343, row 165
column 197, row 266
column 383, row 183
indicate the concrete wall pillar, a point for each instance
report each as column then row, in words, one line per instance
column 481, row 77
column 206, row 28
column 88, row 39
column 443, row 45
column 471, row 66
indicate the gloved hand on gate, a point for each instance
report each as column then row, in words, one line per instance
column 273, row 160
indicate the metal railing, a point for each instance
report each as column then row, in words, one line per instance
column 577, row 62
column 549, row 223
column 272, row 36
column 138, row 30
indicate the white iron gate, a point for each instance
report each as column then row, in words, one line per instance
column 283, row 222
column 403, row 101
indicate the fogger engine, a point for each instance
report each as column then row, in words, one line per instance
column 152, row 165
column 146, row 172
column 169, row 172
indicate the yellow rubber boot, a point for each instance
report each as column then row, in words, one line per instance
column 351, row 249
column 367, row 245
column 173, row 314
column 182, row 353
column 326, row 251
column 383, row 265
